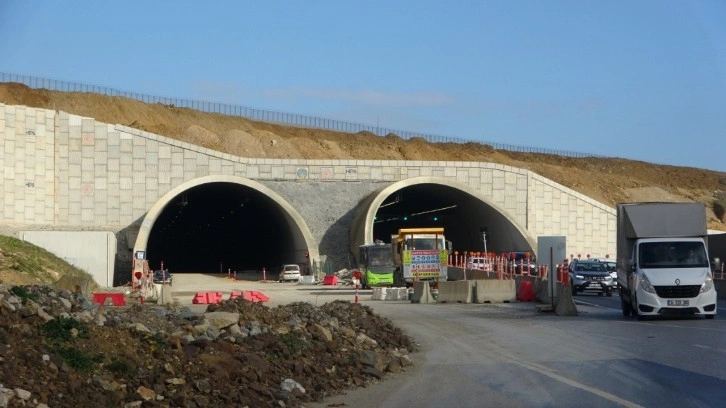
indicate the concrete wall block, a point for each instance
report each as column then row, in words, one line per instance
column 164, row 151
column 215, row 166
column 138, row 151
column 201, row 171
column 88, row 125
column 455, row 292
column 177, row 171
column 462, row 176
column 20, row 114
column 495, row 291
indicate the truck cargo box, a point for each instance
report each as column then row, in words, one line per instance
column 663, row 220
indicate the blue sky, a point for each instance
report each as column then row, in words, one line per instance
column 643, row 80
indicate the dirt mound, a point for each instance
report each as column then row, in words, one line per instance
column 608, row 180
column 61, row 350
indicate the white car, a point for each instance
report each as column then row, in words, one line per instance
column 611, row 267
column 290, row 272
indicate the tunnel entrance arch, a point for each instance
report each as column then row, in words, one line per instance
column 220, row 223
column 438, row 202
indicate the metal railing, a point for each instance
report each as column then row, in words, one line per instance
column 262, row 115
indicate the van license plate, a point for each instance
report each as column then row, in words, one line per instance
column 677, row 303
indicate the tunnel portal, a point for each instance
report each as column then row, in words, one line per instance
column 467, row 220
column 218, row 227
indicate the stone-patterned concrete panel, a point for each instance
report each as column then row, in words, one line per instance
column 87, row 160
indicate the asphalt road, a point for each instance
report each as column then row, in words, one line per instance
column 510, row 355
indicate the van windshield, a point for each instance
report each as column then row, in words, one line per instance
column 672, row 254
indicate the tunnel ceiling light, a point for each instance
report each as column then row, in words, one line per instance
column 436, row 210
column 406, row 217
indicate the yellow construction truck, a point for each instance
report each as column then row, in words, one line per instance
column 420, row 254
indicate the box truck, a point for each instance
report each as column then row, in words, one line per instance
column 662, row 260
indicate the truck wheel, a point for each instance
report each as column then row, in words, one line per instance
column 625, row 305
column 610, row 293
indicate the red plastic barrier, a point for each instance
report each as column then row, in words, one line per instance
column 255, row 296
column 251, row 295
column 526, row 293
column 235, row 294
column 204, row 298
column 330, row 280
column 117, row 299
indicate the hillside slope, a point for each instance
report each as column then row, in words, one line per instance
column 609, row 180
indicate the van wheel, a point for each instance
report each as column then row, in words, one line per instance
column 634, row 307
column 625, row 306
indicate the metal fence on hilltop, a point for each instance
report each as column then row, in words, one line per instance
column 262, row 115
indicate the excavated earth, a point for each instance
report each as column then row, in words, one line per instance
column 57, row 349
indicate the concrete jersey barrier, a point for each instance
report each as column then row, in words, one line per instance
column 455, row 292
column 495, row 291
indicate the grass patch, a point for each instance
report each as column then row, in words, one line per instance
column 122, row 368
column 34, row 262
column 22, row 292
column 295, row 344
column 79, row 360
column 64, row 329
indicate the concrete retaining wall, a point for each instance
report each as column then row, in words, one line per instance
column 91, row 251
column 65, row 172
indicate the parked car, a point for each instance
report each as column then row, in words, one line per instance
column 290, row 272
column 590, row 276
column 611, row 267
column 162, row 277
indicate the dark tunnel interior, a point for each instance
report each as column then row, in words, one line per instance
column 462, row 216
column 223, row 227
column 218, row 227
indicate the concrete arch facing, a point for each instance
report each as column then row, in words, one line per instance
column 362, row 229
column 290, row 213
